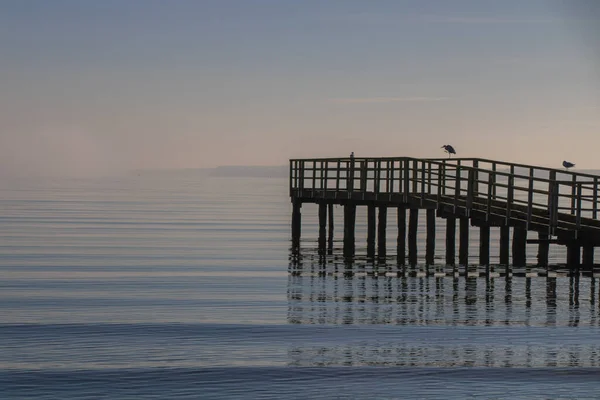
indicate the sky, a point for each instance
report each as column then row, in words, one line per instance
column 102, row 86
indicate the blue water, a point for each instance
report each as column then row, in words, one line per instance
column 180, row 285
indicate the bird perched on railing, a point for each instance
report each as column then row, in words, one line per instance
column 568, row 164
column 449, row 149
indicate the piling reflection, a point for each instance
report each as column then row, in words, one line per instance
column 475, row 314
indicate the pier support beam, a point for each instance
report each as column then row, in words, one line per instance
column 450, row 241
column 573, row 255
column 371, row 231
column 518, row 247
column 484, row 245
column 504, row 244
column 412, row 235
column 401, row 243
column 382, row 226
column 349, row 224
column 463, row 246
column 296, row 224
column 543, row 249
column 430, row 246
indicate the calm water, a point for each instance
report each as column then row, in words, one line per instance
column 178, row 285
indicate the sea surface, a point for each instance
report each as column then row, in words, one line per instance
column 180, row 285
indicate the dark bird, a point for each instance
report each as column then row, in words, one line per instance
column 449, row 149
column 568, row 165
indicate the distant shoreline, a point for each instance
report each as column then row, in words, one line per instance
column 280, row 171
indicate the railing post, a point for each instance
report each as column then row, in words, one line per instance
column 470, row 190
column 291, row 177
column 552, row 201
column 476, row 178
column 422, row 182
column 573, row 193
column 392, row 177
column 350, row 172
column 326, row 178
column 443, row 178
column 456, row 186
column 510, row 193
column 406, row 179
column 314, row 175
column 415, row 186
column 322, row 178
column 494, row 173
column 387, row 176
column 595, row 199
column 491, row 189
column 302, row 165
column 429, row 177
column 578, row 212
column 337, row 178
column 529, row 198
column 363, row 175
column 377, row 175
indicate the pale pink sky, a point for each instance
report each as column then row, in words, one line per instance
column 99, row 87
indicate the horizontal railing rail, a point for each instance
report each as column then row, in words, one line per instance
column 456, row 181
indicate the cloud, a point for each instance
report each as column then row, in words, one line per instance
column 376, row 100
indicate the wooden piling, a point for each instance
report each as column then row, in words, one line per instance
column 382, row 226
column 484, row 245
column 430, row 246
column 413, row 223
column 543, row 249
column 296, row 224
column 463, row 245
column 574, row 255
column 349, row 224
column 322, row 226
column 401, row 242
column 519, row 247
column 588, row 257
column 450, row 241
column 371, row 230
column 504, row 244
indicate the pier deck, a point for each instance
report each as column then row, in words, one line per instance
column 561, row 206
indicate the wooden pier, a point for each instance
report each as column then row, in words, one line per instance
column 560, row 206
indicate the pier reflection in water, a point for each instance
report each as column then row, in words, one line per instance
column 377, row 313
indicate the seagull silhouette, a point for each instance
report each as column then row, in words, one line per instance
column 449, row 149
column 568, row 164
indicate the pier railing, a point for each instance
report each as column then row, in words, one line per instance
column 455, row 182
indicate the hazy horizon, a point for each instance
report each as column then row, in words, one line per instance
column 101, row 87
